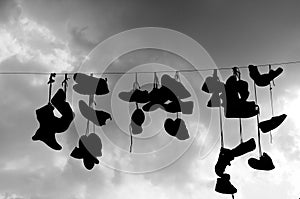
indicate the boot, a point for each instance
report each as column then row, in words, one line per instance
column 99, row 118
column 88, row 85
column 46, row 131
column 271, row 124
column 264, row 163
column 224, row 186
column 263, row 79
column 175, row 86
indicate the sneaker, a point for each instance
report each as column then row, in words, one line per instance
column 271, row 124
column 239, row 109
column 98, row 117
column 136, row 95
column 88, row 85
column 224, row 186
column 213, row 85
column 176, row 128
column 225, row 157
column 89, row 149
column 46, row 131
column 175, row 86
column 263, row 163
column 138, row 117
column 263, row 79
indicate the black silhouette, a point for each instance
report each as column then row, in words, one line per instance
column 90, row 147
column 176, row 128
column 237, row 93
column 46, row 131
column 89, row 85
column 98, row 117
column 263, row 79
column 224, row 186
column 263, row 163
column 49, row 123
column 135, row 129
column 227, row 155
column 175, row 86
column 135, row 95
column 138, row 117
column 271, row 124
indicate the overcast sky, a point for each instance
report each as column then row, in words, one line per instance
column 57, row 35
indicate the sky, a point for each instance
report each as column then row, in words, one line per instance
column 74, row 35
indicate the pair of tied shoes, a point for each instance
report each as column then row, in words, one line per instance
column 98, row 117
column 89, row 148
column 176, row 128
column 50, row 124
column 263, row 79
column 88, row 85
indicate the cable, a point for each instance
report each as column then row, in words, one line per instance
column 161, row 71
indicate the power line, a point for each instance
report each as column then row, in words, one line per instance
column 140, row 72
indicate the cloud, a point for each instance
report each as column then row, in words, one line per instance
column 9, row 10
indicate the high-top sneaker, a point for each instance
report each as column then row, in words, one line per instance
column 46, row 131
column 263, row 163
column 271, row 124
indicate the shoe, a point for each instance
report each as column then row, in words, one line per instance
column 90, row 147
column 263, row 163
column 238, row 109
column 243, row 148
column 271, row 124
column 138, row 117
column 224, row 186
column 176, row 128
column 98, row 117
column 175, row 86
column 213, row 85
column 88, row 85
column 136, row 95
column 135, row 129
column 64, row 108
column 214, row 101
column 225, row 157
column 263, row 79
column 46, row 131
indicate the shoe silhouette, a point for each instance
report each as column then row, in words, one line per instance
column 176, row 128
column 178, row 106
column 90, row 147
column 88, row 85
column 175, row 86
column 227, row 155
column 235, row 105
column 138, row 117
column 64, row 108
column 224, row 186
column 214, row 101
column 98, row 117
column 136, row 95
column 213, row 84
column 135, row 129
column 263, row 79
column 46, row 131
column 263, row 163
column 271, row 124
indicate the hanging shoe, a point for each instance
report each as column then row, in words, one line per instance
column 136, row 129
column 90, row 147
column 238, row 109
column 243, row 148
column 263, row 79
column 46, row 131
column 138, row 117
column 225, row 157
column 271, row 124
column 214, row 101
column 175, row 86
column 176, row 128
column 98, row 117
column 88, row 85
column 224, row 186
column 64, row 108
column 264, row 163
column 136, row 95
column 213, row 85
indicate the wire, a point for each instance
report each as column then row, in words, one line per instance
column 161, row 71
